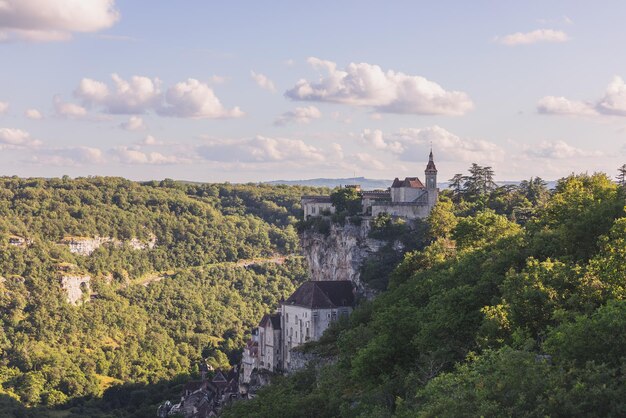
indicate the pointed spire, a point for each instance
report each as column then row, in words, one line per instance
column 430, row 167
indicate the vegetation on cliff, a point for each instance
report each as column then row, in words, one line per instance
column 515, row 308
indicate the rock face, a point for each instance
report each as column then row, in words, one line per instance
column 339, row 254
column 86, row 246
column 74, row 285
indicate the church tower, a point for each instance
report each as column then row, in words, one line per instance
column 431, row 181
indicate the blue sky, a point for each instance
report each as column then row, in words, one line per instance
column 250, row 91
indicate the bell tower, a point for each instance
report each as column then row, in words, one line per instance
column 431, row 173
column 431, row 181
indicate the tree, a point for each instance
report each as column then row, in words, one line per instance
column 347, row 200
column 456, row 184
column 621, row 177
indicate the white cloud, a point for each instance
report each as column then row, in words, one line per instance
column 196, row 100
column 263, row 81
column 150, row 140
column 128, row 97
column 33, row 114
column 187, row 99
column 218, row 79
column 558, row 150
column 367, row 161
column 260, row 149
column 551, row 105
column 133, row 156
column 411, row 144
column 69, row 157
column 134, row 123
column 4, row 106
column 539, row 35
column 299, row 115
column 614, row 100
column 54, row 20
column 612, row 103
column 337, row 151
column 17, row 138
column 68, row 110
column 368, row 85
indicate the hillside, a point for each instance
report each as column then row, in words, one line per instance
column 176, row 272
column 516, row 308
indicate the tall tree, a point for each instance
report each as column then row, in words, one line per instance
column 621, row 177
column 456, row 184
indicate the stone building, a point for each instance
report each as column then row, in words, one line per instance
column 303, row 317
column 310, row 310
column 270, row 355
column 408, row 198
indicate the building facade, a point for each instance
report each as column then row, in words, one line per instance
column 303, row 317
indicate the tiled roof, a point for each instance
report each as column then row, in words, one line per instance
column 412, row 182
column 274, row 319
column 323, row 294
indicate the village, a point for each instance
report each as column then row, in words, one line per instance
column 273, row 346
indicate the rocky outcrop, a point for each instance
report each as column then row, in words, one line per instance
column 74, row 286
column 339, row 254
column 86, row 246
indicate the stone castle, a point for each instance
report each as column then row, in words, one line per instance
column 408, row 198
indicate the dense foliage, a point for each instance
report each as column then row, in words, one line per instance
column 516, row 308
column 223, row 257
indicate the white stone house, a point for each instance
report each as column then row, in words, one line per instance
column 316, row 206
column 270, row 357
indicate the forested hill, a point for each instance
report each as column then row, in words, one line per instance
column 516, row 308
column 198, row 305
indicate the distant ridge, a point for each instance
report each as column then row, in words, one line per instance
column 366, row 184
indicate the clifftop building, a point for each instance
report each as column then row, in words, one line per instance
column 408, row 198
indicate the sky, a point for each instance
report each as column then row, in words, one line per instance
column 247, row 91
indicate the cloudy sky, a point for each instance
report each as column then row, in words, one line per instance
column 250, row 90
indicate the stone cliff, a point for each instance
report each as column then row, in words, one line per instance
column 339, row 253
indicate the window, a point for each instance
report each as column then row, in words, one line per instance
column 313, row 209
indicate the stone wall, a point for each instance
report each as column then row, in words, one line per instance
column 401, row 210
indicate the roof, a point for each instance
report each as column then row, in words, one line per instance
column 273, row 319
column 375, row 193
column 412, row 182
column 316, row 199
column 323, row 294
column 194, row 385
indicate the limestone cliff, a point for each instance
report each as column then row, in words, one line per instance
column 75, row 286
column 339, row 254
